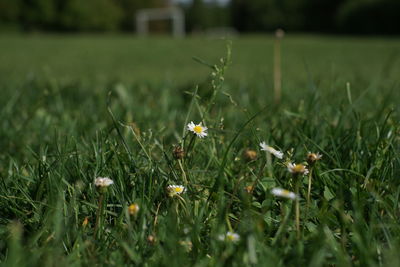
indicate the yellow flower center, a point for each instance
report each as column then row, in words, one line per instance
column 285, row 193
column 299, row 168
column 85, row 222
column 178, row 189
column 230, row 237
column 198, row 129
column 133, row 209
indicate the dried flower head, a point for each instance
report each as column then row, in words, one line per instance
column 174, row 190
column 249, row 189
column 297, row 168
column 313, row 157
column 133, row 209
column 151, row 239
column 249, row 155
column 85, row 221
column 103, row 181
column 279, row 192
column 271, row 150
column 198, row 129
column 178, row 152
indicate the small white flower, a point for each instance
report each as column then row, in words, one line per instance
column 198, row 129
column 230, row 237
column 279, row 192
column 271, row 150
column 103, row 181
column 175, row 190
column 297, row 168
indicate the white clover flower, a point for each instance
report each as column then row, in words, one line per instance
column 271, row 150
column 198, row 129
column 175, row 190
column 297, row 168
column 103, row 181
column 279, row 192
column 230, row 237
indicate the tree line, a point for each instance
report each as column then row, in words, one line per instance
column 332, row 16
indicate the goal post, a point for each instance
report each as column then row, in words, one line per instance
column 144, row 16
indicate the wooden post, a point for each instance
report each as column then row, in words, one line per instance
column 279, row 33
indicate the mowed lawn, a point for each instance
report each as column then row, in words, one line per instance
column 75, row 108
column 161, row 59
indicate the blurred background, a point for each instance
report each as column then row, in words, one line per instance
column 244, row 16
column 101, row 42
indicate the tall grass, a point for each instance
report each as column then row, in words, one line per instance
column 56, row 138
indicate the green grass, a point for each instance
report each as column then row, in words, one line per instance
column 74, row 108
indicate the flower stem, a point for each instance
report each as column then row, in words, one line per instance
column 309, row 187
column 99, row 215
column 309, row 192
column 297, row 179
column 183, row 172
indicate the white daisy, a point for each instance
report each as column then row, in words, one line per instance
column 271, row 150
column 198, row 129
column 230, row 237
column 175, row 190
column 103, row 181
column 279, row 192
column 297, row 168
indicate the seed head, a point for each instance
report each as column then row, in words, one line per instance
column 178, row 152
column 249, row 155
column 312, row 158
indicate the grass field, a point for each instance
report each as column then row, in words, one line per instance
column 74, row 108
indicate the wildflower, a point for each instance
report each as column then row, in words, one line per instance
column 249, row 155
column 313, row 157
column 249, row 189
column 230, row 237
column 279, row 192
column 85, row 221
column 271, row 150
column 178, row 152
column 197, row 129
column 151, row 239
column 187, row 244
column 103, row 181
column 297, row 168
column 133, row 209
column 174, row 190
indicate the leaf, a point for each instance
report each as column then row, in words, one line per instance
column 328, row 195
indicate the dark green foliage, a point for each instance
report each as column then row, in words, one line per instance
column 332, row 16
column 366, row 16
column 90, row 15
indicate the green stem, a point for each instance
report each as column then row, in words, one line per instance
column 297, row 180
column 285, row 214
column 99, row 215
column 258, row 177
column 309, row 192
column 183, row 172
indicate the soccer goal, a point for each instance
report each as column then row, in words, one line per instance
column 144, row 16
